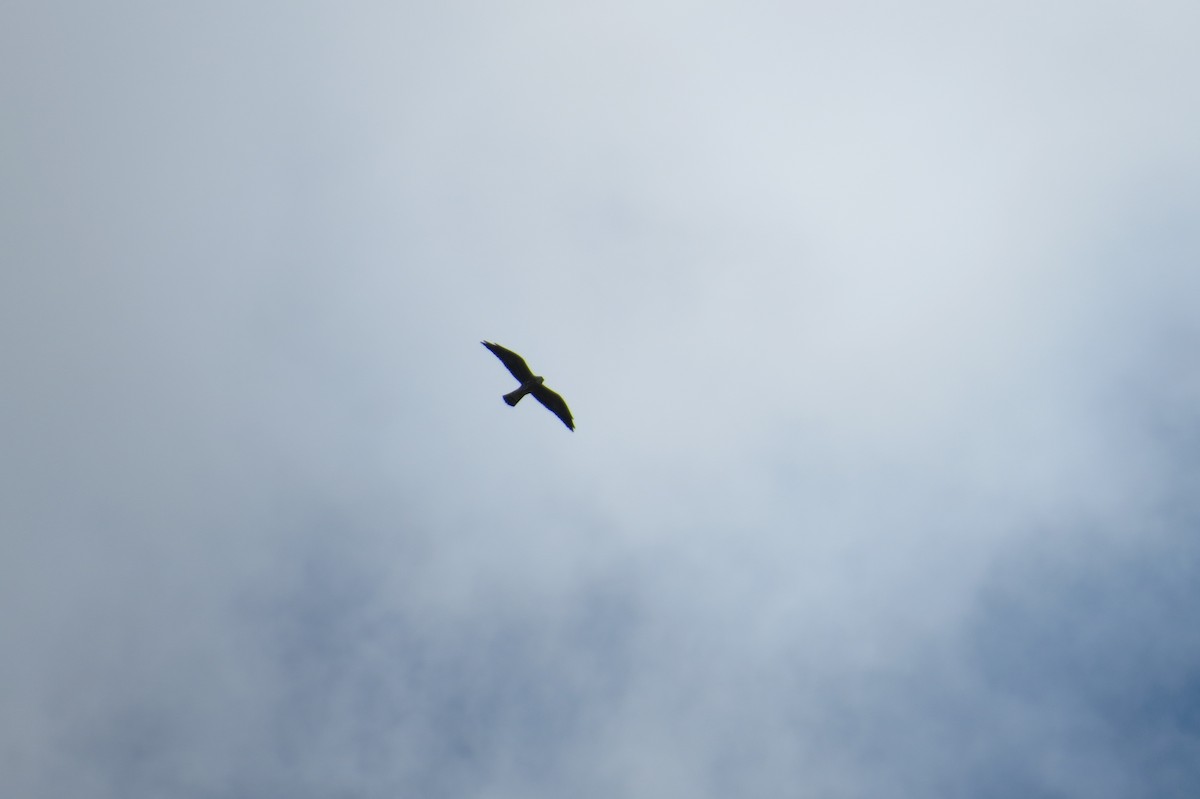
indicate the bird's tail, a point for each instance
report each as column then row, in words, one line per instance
column 513, row 397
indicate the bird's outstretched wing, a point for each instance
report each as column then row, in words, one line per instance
column 556, row 404
column 513, row 362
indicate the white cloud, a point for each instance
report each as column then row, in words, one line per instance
column 878, row 325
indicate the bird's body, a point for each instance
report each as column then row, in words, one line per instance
column 513, row 397
column 530, row 384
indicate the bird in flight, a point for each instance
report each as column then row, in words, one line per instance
column 530, row 384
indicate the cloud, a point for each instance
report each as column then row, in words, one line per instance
column 879, row 332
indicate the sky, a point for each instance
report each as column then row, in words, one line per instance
column 879, row 323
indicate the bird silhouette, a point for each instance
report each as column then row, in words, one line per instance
column 530, row 384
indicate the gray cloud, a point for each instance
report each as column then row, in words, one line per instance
column 879, row 329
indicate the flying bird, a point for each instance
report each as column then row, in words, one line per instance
column 530, row 384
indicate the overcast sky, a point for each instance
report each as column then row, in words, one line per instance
column 879, row 323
